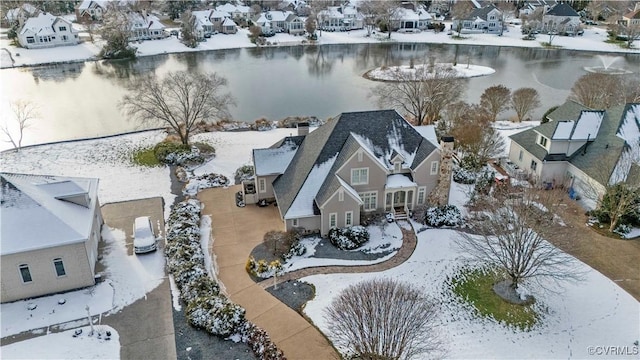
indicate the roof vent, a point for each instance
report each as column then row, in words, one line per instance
column 303, row 128
column 446, row 139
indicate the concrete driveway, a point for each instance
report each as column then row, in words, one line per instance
column 235, row 232
column 146, row 326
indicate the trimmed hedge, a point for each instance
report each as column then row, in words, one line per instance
column 207, row 308
column 447, row 215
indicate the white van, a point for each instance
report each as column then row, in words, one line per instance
column 143, row 239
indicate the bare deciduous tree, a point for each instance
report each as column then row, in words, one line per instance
column 459, row 12
column 523, row 101
column 384, row 319
column 506, row 240
column 23, row 113
column 386, row 13
column 601, row 91
column 476, row 140
column 181, row 100
column 495, row 99
column 422, row 93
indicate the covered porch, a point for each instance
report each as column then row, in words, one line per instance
column 400, row 191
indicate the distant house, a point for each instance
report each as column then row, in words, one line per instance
column 49, row 235
column 530, row 6
column 237, row 12
column 217, row 18
column 203, row 23
column 409, row 20
column 89, row 10
column 145, row 26
column 632, row 18
column 483, row 20
column 357, row 163
column 562, row 19
column 340, row 18
column 581, row 148
column 279, row 21
column 229, row 26
column 45, row 31
column 20, row 14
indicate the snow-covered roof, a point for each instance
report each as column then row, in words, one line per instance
column 398, row 181
column 278, row 15
column 202, row 18
column 228, row 22
column 35, row 214
column 588, row 125
column 331, row 12
column 302, row 205
column 629, row 131
column 563, row 130
column 43, row 24
column 428, row 132
column 147, row 21
column 87, row 3
column 274, row 160
column 12, row 14
column 406, row 14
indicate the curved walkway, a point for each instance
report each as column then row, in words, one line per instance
column 235, row 232
column 409, row 243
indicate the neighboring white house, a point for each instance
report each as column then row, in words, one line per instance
column 484, row 20
column 49, row 235
column 409, row 20
column 237, row 12
column 145, row 26
column 632, row 18
column 45, row 31
column 562, row 19
column 340, row 18
column 357, row 163
column 229, row 26
column 203, row 22
column 581, row 148
column 530, row 6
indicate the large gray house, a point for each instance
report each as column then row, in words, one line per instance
column 49, row 232
column 581, row 148
column 357, row 162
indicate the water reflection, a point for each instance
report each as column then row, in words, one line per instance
column 276, row 82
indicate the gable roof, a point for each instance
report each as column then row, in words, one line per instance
column 43, row 24
column 482, row 13
column 380, row 132
column 274, row 160
column 570, row 110
column 562, row 9
column 618, row 131
column 42, row 211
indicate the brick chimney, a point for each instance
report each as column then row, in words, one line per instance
column 303, row 128
column 440, row 194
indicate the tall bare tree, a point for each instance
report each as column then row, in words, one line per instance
column 24, row 112
column 506, row 240
column 422, row 93
column 181, row 100
column 386, row 12
column 384, row 319
column 369, row 11
column 601, row 90
column 459, row 12
column 495, row 99
column 523, row 101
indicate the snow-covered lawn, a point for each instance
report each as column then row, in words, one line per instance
column 592, row 40
column 64, row 346
column 391, row 73
column 595, row 312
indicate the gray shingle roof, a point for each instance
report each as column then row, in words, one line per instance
column 570, row 110
column 562, row 9
column 597, row 158
column 481, row 12
column 381, row 128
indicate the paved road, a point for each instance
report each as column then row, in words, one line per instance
column 236, row 231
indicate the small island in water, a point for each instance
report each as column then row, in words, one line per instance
column 420, row 72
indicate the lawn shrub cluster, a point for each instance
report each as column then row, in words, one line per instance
column 446, row 215
column 206, row 307
column 245, row 172
column 174, row 153
column 263, row 268
column 349, row 238
column 464, row 176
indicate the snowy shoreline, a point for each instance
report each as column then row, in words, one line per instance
column 592, row 41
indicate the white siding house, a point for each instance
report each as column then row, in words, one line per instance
column 49, row 234
column 45, row 31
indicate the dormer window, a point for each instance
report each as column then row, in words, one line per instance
column 543, row 141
